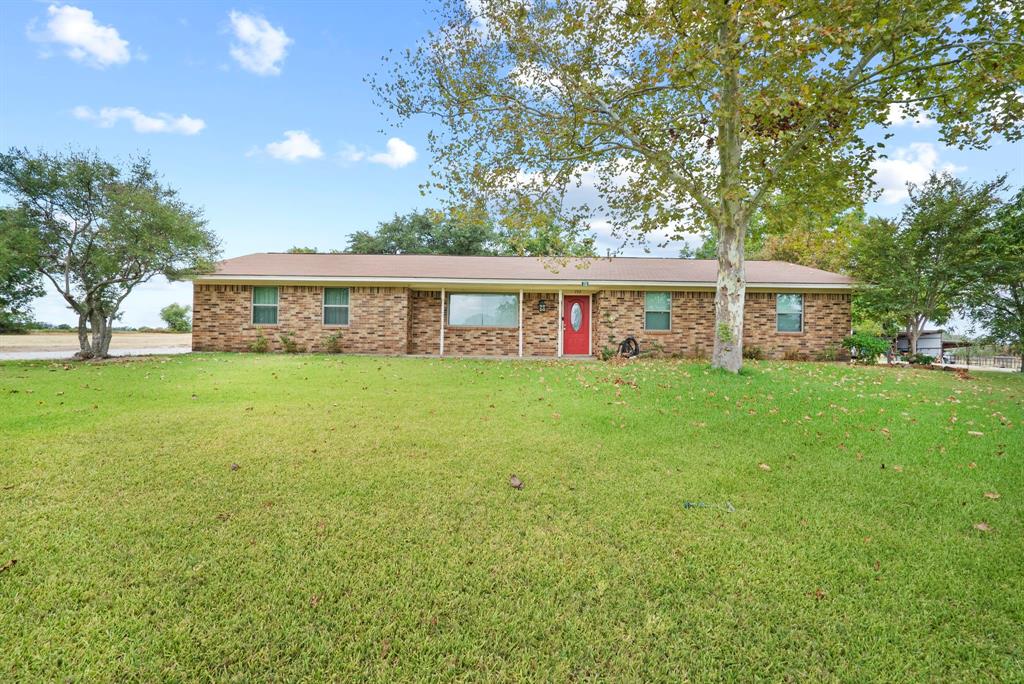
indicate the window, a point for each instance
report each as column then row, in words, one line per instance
column 485, row 310
column 335, row 306
column 789, row 312
column 658, row 311
column 576, row 316
column 264, row 305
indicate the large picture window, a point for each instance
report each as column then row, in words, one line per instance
column 264, row 305
column 658, row 311
column 483, row 310
column 789, row 312
column 335, row 306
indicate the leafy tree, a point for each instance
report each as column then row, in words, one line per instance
column 918, row 268
column 812, row 241
column 176, row 317
column 461, row 231
column 303, row 250
column 996, row 297
column 19, row 281
column 692, row 113
column 428, row 232
column 535, row 232
column 99, row 229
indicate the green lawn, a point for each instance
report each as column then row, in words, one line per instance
column 369, row 530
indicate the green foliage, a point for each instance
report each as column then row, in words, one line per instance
column 20, row 282
column 176, row 317
column 865, row 347
column 995, row 300
column 456, row 232
column 830, row 352
column 372, row 498
column 465, row 232
column 303, row 250
column 289, row 344
column 919, row 267
column 921, row 359
column 753, row 353
column 333, row 343
column 724, row 333
column 98, row 229
column 261, row 345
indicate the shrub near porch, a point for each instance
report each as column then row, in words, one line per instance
column 369, row 530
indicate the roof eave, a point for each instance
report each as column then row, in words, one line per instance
column 224, row 279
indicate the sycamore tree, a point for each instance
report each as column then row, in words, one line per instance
column 96, row 230
column 918, row 269
column 688, row 113
column 995, row 300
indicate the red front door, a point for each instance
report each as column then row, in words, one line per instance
column 576, row 324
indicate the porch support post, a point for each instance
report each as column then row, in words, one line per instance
column 442, row 321
column 561, row 323
column 520, row 322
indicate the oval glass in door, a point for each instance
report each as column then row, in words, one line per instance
column 576, row 316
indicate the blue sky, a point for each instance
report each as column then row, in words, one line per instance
column 259, row 114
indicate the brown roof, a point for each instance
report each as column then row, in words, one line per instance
column 421, row 267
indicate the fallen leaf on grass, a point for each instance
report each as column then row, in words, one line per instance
column 972, row 465
column 992, row 495
column 975, row 433
column 515, row 482
column 818, row 594
column 235, row 466
column 8, row 565
column 314, row 601
column 385, row 648
column 898, row 468
column 764, row 466
column 983, row 527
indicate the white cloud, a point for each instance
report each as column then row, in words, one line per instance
column 899, row 116
column 399, row 153
column 260, row 48
column 297, row 145
column 142, row 123
column 84, row 40
column 911, row 164
column 351, row 154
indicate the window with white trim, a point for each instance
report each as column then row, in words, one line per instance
column 657, row 311
column 335, row 306
column 490, row 310
column 264, row 306
column 789, row 312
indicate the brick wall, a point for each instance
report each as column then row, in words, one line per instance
column 424, row 322
column 378, row 319
column 540, row 328
column 399, row 321
column 619, row 313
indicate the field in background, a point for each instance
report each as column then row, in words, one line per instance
column 65, row 341
column 243, row 517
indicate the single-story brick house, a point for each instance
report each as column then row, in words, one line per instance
column 508, row 306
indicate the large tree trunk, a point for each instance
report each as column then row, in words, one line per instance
column 732, row 216
column 729, row 300
column 103, row 350
column 914, row 330
column 84, row 346
column 94, row 342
